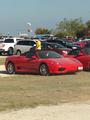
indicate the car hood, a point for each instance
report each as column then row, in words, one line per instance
column 65, row 61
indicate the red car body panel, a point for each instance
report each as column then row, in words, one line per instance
column 83, row 58
column 55, row 65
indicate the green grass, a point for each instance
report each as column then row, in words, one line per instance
column 22, row 91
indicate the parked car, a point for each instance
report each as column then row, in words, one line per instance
column 82, row 43
column 8, row 45
column 87, row 45
column 55, row 47
column 1, row 43
column 64, row 42
column 22, row 46
column 82, row 55
column 43, row 63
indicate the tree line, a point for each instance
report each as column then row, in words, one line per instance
column 68, row 27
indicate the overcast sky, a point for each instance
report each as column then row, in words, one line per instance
column 15, row 14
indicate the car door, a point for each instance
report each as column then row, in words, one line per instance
column 31, row 64
column 24, row 47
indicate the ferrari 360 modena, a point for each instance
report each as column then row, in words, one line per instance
column 43, row 63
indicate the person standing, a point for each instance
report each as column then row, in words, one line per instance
column 35, row 48
column 38, row 45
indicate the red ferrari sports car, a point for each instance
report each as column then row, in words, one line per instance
column 43, row 63
column 83, row 55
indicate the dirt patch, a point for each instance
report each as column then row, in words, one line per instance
column 3, row 72
column 3, row 57
column 61, row 112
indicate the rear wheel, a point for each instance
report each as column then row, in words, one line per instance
column 10, row 68
column 44, row 69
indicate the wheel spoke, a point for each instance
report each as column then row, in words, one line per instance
column 10, row 68
column 43, row 69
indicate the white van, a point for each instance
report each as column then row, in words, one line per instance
column 23, row 46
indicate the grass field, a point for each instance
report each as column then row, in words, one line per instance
column 2, row 60
column 21, row 91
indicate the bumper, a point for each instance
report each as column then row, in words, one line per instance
column 65, row 70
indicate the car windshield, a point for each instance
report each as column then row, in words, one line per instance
column 56, row 45
column 48, row 54
column 51, row 45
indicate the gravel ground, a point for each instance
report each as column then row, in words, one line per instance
column 77, row 111
column 3, row 71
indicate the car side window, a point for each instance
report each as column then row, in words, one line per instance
column 9, row 41
column 26, row 43
column 19, row 43
column 31, row 43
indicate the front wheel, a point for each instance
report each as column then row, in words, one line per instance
column 44, row 69
column 10, row 68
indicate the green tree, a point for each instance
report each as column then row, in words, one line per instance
column 59, row 34
column 88, row 24
column 42, row 31
column 81, row 33
column 70, row 27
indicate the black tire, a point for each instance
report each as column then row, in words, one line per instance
column 18, row 52
column 43, row 70
column 0, row 53
column 10, row 68
column 10, row 51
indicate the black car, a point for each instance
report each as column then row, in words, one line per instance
column 64, row 42
column 55, row 47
